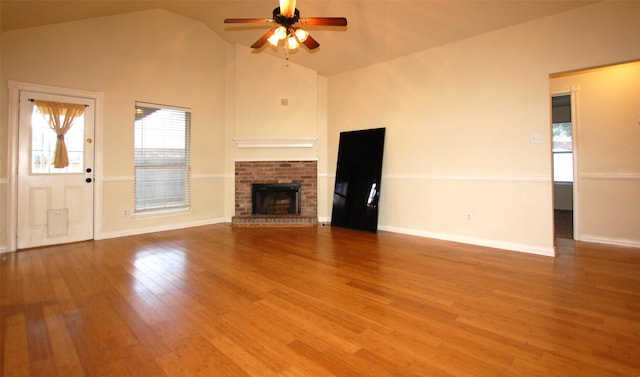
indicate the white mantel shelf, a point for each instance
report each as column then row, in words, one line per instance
column 275, row 143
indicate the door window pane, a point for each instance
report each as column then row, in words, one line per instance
column 43, row 145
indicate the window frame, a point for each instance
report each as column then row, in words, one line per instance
column 157, row 194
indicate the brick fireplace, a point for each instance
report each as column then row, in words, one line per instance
column 248, row 173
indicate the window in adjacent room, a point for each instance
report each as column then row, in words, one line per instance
column 162, row 158
column 562, row 139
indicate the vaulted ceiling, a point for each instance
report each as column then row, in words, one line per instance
column 377, row 30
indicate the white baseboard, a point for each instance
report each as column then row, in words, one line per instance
column 523, row 248
column 163, row 228
column 324, row 220
column 610, row 241
column 511, row 246
column 413, row 232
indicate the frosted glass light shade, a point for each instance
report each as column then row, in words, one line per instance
column 301, row 35
column 278, row 34
column 291, row 43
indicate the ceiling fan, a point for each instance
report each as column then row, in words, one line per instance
column 287, row 17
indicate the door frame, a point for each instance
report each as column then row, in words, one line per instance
column 15, row 87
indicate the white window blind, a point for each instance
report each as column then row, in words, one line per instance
column 162, row 158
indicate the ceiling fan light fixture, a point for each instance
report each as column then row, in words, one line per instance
column 301, row 34
column 291, row 43
column 287, row 17
column 278, row 34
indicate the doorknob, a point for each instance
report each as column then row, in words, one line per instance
column 88, row 180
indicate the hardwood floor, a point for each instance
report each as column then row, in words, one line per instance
column 317, row 301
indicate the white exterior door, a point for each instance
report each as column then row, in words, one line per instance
column 54, row 205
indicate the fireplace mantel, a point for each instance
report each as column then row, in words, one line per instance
column 275, row 143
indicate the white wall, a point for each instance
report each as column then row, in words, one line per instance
column 261, row 83
column 153, row 56
column 262, row 127
column 459, row 120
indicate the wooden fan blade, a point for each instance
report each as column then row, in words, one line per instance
column 287, row 8
column 248, row 21
column 323, row 21
column 260, row 42
column 311, row 43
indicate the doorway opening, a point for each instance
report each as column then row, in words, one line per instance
column 563, row 165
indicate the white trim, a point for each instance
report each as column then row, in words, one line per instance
column 524, row 248
column 97, row 162
column 131, row 178
column 162, row 228
column 470, row 178
column 575, row 133
column 164, row 212
column 12, row 169
column 479, row 178
column 510, row 246
column 275, row 143
column 625, row 242
column 162, row 107
column 122, row 178
column 266, row 159
column 610, row 176
column 15, row 87
column 208, row 176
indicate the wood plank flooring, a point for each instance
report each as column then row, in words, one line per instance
column 317, row 301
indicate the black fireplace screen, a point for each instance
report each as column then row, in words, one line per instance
column 275, row 198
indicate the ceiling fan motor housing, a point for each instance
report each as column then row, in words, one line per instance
column 284, row 20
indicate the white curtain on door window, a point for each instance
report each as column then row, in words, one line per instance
column 60, row 117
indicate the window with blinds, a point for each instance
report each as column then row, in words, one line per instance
column 162, row 158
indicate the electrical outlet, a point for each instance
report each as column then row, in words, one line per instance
column 125, row 212
column 469, row 217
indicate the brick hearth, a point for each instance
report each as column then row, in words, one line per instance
column 303, row 172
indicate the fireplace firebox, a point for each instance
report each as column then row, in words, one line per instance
column 275, row 198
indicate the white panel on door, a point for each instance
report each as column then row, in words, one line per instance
column 40, row 201
column 74, row 198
